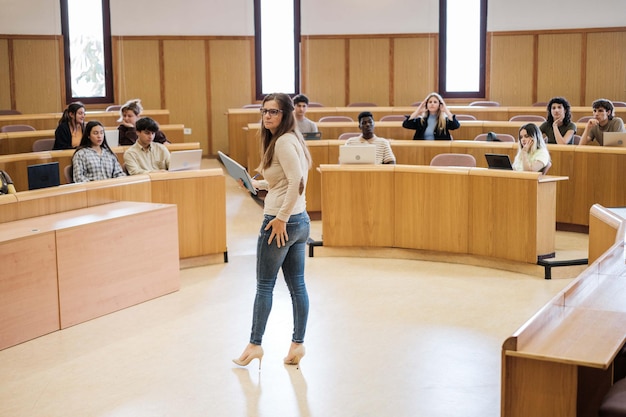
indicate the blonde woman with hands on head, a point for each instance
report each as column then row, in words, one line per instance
column 532, row 154
column 432, row 120
column 281, row 244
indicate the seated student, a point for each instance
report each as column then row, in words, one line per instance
column 384, row 154
column 145, row 155
column 69, row 132
column 432, row 120
column 558, row 127
column 301, row 104
column 94, row 160
column 603, row 121
column 130, row 113
column 532, row 154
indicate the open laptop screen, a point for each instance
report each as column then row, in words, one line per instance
column 43, row 175
column 185, row 160
column 357, row 154
column 614, row 139
column 498, row 161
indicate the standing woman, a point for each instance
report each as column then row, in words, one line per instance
column 94, row 160
column 532, row 154
column 69, row 132
column 285, row 164
column 432, row 120
column 558, row 127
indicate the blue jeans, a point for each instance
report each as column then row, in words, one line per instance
column 270, row 258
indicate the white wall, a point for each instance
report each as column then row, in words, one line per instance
column 504, row 15
column 236, row 17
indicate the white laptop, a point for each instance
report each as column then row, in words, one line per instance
column 113, row 137
column 614, row 139
column 357, row 154
column 185, row 160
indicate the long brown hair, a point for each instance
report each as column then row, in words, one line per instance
column 287, row 125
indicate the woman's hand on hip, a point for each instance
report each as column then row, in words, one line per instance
column 279, row 231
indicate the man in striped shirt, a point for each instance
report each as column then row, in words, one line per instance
column 384, row 154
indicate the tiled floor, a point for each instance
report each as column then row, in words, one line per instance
column 386, row 337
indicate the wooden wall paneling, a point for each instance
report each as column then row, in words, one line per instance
column 5, row 75
column 326, row 71
column 559, row 67
column 606, row 66
column 231, row 85
column 37, row 75
column 185, row 87
column 511, row 81
column 413, row 75
column 369, row 70
column 137, row 71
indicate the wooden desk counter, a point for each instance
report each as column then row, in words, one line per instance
column 46, row 121
column 8, row 208
column 357, row 202
column 561, row 361
column 17, row 164
column 201, row 199
column 594, row 172
column 498, row 214
column 432, row 208
column 73, row 266
column 29, row 298
column 124, row 268
column 22, row 142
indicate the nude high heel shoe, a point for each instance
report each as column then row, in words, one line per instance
column 296, row 352
column 249, row 354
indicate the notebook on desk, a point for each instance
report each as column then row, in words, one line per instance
column 185, row 160
column 357, row 154
column 614, row 139
column 498, row 161
column 43, row 175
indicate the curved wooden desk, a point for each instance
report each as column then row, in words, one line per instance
column 560, row 363
column 44, row 121
column 22, row 142
column 498, row 214
column 17, row 164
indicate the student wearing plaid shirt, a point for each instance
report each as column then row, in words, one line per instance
column 94, row 160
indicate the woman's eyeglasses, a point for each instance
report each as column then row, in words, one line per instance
column 272, row 112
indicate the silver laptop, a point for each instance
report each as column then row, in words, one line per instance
column 614, row 139
column 113, row 137
column 185, row 160
column 357, row 154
